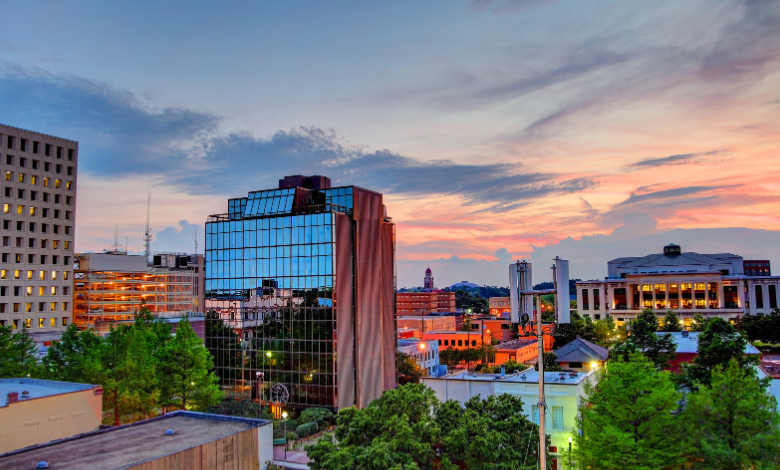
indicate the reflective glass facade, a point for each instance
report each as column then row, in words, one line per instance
column 276, row 271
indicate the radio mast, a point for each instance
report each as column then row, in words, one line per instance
column 148, row 232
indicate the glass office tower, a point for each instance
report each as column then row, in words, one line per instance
column 300, row 285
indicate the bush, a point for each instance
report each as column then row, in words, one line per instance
column 321, row 416
column 306, row 429
column 291, row 436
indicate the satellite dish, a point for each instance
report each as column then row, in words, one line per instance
column 279, row 394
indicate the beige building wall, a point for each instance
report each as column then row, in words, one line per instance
column 38, row 215
column 431, row 323
column 37, row 420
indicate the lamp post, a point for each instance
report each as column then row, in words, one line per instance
column 284, row 417
column 569, row 451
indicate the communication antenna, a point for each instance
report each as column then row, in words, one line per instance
column 116, row 239
column 195, row 237
column 148, row 232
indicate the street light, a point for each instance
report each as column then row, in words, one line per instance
column 284, row 417
column 569, row 451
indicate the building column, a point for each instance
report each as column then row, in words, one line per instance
column 741, row 294
column 666, row 293
column 765, row 292
column 721, row 301
column 652, row 290
column 751, row 297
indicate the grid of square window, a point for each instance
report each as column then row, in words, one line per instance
column 269, row 303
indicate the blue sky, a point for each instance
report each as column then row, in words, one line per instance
column 489, row 125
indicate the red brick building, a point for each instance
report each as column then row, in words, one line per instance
column 424, row 303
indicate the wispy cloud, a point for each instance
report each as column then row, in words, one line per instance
column 669, row 194
column 671, row 160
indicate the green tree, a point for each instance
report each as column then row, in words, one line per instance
column 699, row 322
column 671, row 323
column 565, row 333
column 489, row 434
column 718, row 344
column 187, row 380
column 733, row 424
column 605, row 330
column 408, row 369
column 75, row 357
column 628, row 420
column 658, row 348
column 18, row 354
column 550, row 362
column 450, row 357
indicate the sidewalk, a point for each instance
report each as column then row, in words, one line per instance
column 296, row 459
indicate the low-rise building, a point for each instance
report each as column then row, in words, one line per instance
column 523, row 350
column 34, row 411
column 687, row 348
column 564, row 393
column 685, row 282
column 427, row 323
column 499, row 305
column 424, row 303
column 181, row 440
column 112, row 286
column 425, row 353
column 581, row 355
column 459, row 339
column 770, row 367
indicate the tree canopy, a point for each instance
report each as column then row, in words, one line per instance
column 628, row 420
column 408, row 369
column 408, row 428
column 734, row 423
column 671, row 323
column 718, row 344
column 18, row 354
column 643, row 338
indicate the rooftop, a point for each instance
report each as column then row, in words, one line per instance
column 403, row 343
column 690, row 344
column 529, row 375
column 38, row 388
column 516, row 344
column 129, row 445
column 581, row 350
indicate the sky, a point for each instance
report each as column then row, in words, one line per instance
column 497, row 130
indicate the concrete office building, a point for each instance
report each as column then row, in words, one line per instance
column 303, row 279
column 35, row 411
column 685, row 282
column 564, row 394
column 38, row 202
column 112, row 286
column 198, row 441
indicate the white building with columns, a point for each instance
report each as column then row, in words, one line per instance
column 687, row 283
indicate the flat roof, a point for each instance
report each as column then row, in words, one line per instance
column 691, row 343
column 132, row 444
column 38, row 388
column 529, row 375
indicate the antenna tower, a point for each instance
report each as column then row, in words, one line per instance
column 148, row 232
column 195, row 237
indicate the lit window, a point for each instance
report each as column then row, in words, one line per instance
column 9, row 175
column 67, row 245
column 29, row 290
column 65, row 275
column 52, row 322
column 21, row 177
column 40, row 322
column 46, row 181
column 647, row 288
column 20, row 210
column 28, row 323
column 17, row 274
column 55, row 244
column 28, row 307
column 6, row 208
column 42, row 275
column 3, row 273
column 69, row 185
column 64, row 321
column 42, row 291
column 54, row 275
column 53, row 290
column 57, row 183
column 33, row 179
column 30, row 275
column 15, row 324
column 54, row 306
column 64, row 306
